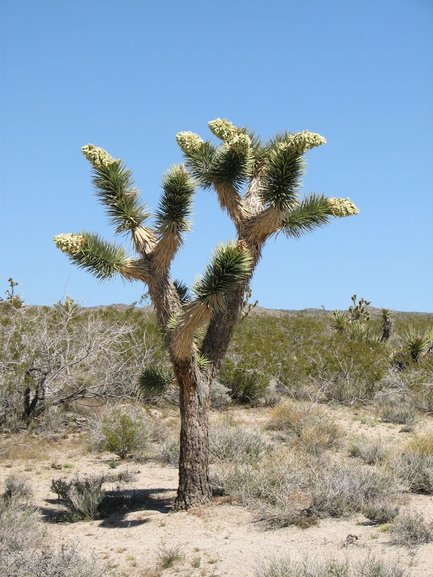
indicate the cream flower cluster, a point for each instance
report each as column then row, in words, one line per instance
column 240, row 143
column 302, row 141
column 97, row 157
column 188, row 142
column 223, row 129
column 342, row 207
column 70, row 243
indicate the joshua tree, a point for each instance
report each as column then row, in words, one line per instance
column 258, row 185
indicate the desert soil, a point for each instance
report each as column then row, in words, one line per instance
column 221, row 539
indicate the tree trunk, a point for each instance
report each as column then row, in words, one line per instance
column 194, row 394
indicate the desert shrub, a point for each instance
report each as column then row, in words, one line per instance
column 411, row 529
column 229, row 443
column 82, row 497
column 415, row 464
column 219, row 395
column 371, row 567
column 123, row 430
column 397, row 411
column 275, row 489
column 341, row 490
column 17, row 488
column 246, row 385
column 169, row 452
column 422, row 445
column 307, row 427
column 18, row 526
column 349, row 370
column 380, row 512
column 169, row 556
column 371, row 452
column 42, row 563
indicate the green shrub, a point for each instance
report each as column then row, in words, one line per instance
column 246, row 385
column 123, row 431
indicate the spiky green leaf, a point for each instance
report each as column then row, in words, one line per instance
column 182, row 291
column 199, row 162
column 101, row 258
column 115, row 189
column 230, row 266
column 232, row 166
column 281, row 179
column 309, row 214
column 175, row 204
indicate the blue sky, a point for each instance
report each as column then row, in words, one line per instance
column 128, row 75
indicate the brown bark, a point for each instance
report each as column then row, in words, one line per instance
column 194, row 395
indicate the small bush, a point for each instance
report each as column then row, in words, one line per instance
column 66, row 563
column 380, row 512
column 245, row 385
column 123, row 431
column 18, row 527
column 219, row 395
column 308, row 428
column 398, row 412
column 82, row 497
column 371, row 452
column 168, row 556
column 308, row 568
column 275, row 489
column 170, row 452
column 341, row 490
column 228, row 443
column 17, row 488
column 415, row 464
column 411, row 530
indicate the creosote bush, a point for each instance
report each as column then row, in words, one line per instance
column 246, row 385
column 122, row 430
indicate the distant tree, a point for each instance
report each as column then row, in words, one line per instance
column 258, row 185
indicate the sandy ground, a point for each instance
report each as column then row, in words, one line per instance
column 221, row 539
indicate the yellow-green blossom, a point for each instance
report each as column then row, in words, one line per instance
column 98, row 157
column 301, row 141
column 223, row 129
column 240, row 143
column 342, row 207
column 70, row 243
column 188, row 142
